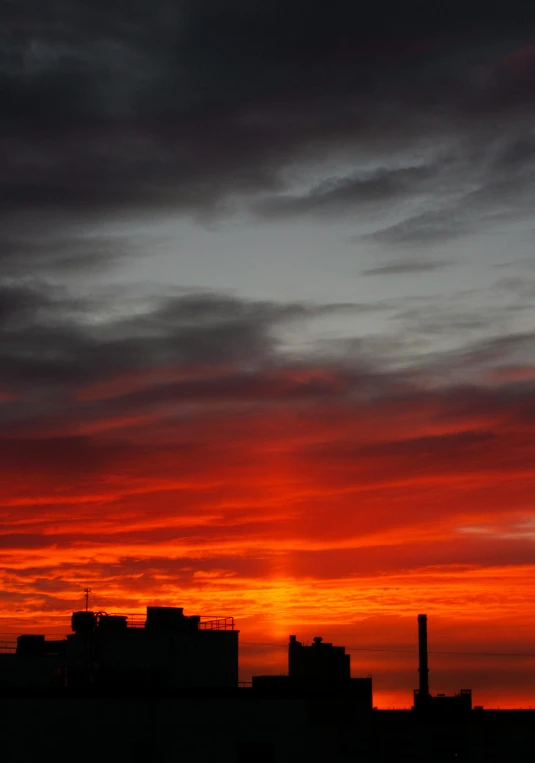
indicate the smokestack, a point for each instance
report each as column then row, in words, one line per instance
column 422, row 651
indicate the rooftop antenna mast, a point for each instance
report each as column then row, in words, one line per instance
column 87, row 591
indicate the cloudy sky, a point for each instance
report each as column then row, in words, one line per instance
column 267, row 309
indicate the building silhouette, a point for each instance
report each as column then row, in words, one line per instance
column 424, row 701
column 166, row 689
column 318, row 662
column 320, row 669
column 168, row 650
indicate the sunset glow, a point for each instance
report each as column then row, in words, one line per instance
column 266, row 334
column 338, row 509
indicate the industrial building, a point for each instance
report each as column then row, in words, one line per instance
column 320, row 669
column 169, row 650
column 166, row 689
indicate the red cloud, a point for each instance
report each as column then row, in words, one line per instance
column 308, row 498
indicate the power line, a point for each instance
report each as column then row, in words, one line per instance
column 404, row 651
column 11, row 637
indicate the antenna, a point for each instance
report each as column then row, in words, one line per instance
column 87, row 591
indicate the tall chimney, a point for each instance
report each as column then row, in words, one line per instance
column 422, row 651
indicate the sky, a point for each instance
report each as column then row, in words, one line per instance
column 267, row 309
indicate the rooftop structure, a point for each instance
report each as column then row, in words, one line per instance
column 319, row 669
column 321, row 661
column 167, row 650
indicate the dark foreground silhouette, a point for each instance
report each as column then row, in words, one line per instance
column 166, row 689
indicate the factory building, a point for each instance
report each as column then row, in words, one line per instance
column 320, row 661
column 168, row 651
column 320, row 669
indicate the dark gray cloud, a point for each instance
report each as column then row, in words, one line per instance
column 25, row 249
column 19, row 303
column 423, row 229
column 214, row 348
column 405, row 267
column 334, row 195
column 114, row 108
column 118, row 106
column 483, row 192
column 54, row 349
column 51, row 341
